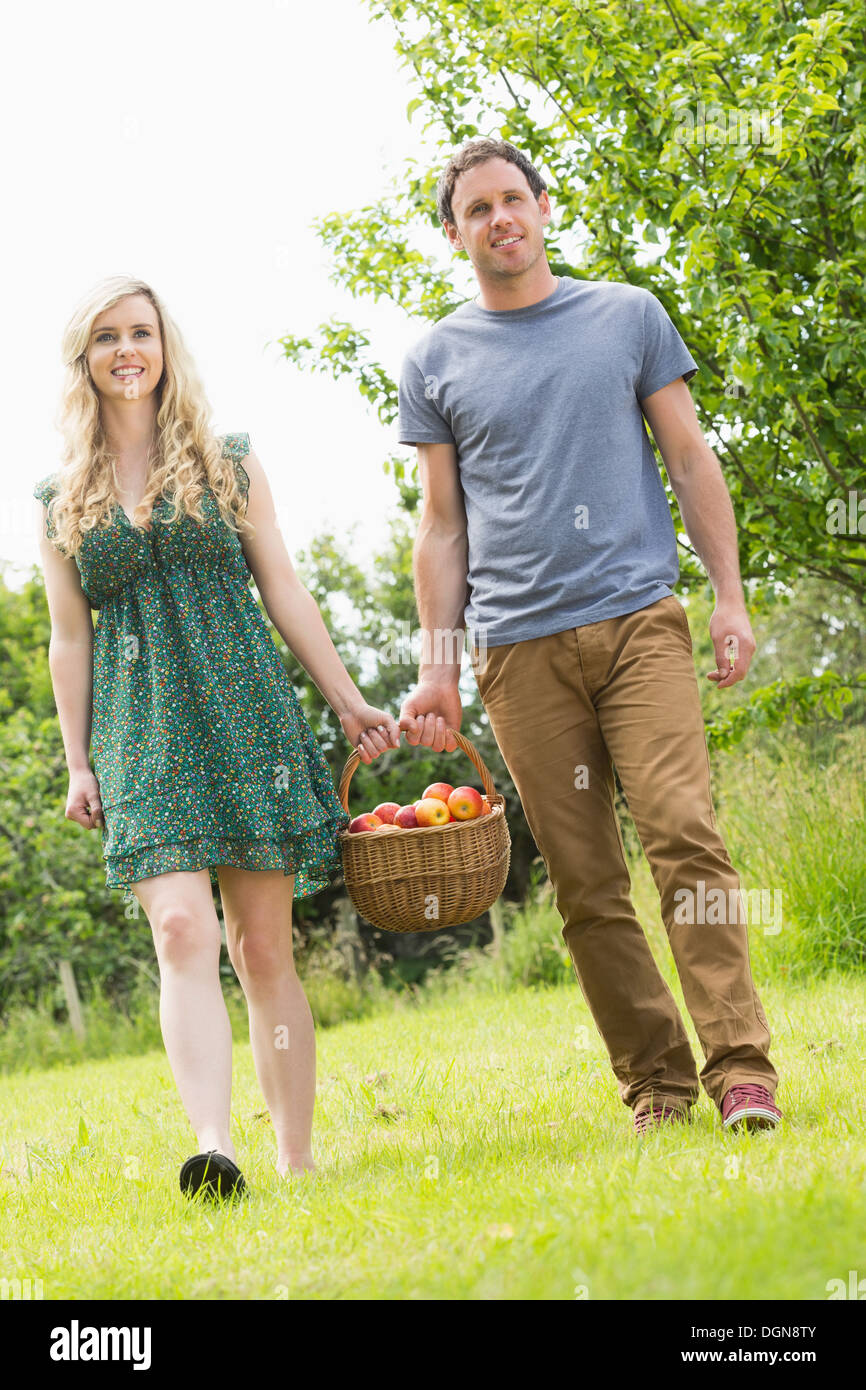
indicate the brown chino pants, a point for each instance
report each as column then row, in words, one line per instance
column 563, row 709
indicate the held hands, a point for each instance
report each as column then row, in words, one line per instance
column 733, row 642
column 370, row 731
column 428, row 711
column 424, row 715
column 83, row 801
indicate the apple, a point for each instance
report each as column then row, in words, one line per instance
column 406, row 818
column 366, row 822
column 440, row 790
column 431, row 810
column 386, row 825
column 387, row 811
column 486, row 808
column 465, row 803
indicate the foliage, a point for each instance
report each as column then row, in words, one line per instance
column 774, row 705
column 53, row 901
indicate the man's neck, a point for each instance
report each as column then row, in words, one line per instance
column 518, row 291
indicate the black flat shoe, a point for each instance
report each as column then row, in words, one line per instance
column 213, row 1172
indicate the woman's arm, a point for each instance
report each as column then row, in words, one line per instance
column 70, row 661
column 295, row 614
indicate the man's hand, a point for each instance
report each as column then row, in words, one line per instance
column 733, row 642
column 428, row 711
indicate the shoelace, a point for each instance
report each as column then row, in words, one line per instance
column 646, row 1117
column 750, row 1091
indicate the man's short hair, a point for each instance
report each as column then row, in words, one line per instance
column 479, row 152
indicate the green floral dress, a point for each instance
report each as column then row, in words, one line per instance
column 199, row 743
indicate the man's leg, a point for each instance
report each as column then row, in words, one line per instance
column 641, row 671
column 547, row 731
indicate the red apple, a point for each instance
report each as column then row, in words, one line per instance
column 465, row 803
column 386, row 825
column 406, row 818
column 431, row 811
column 440, row 790
column 387, row 811
column 366, row 822
column 486, row 808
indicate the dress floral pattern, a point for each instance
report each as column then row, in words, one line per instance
column 199, row 743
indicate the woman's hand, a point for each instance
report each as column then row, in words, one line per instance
column 83, row 801
column 370, row 731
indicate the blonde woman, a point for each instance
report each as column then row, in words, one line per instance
column 205, row 771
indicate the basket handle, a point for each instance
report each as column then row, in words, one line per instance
column 467, row 746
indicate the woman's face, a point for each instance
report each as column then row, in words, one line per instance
column 125, row 350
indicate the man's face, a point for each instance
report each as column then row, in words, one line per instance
column 498, row 222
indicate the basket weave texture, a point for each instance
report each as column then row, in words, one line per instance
column 432, row 876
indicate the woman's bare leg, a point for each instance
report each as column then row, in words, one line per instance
column 192, row 1012
column 257, row 910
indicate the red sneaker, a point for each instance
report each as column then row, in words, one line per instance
column 658, row 1115
column 749, row 1105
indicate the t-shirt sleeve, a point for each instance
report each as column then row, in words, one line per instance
column 665, row 355
column 420, row 421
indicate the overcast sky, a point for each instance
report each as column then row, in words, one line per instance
column 192, row 144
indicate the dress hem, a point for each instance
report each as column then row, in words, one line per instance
column 311, row 875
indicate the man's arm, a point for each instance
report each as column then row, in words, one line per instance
column 705, row 504
column 441, row 567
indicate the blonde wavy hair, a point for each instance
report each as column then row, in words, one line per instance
column 188, row 456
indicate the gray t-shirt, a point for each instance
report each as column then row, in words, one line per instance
column 567, row 518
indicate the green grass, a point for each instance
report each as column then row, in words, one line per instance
column 504, row 1168
column 794, row 822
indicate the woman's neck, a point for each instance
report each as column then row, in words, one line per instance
column 129, row 427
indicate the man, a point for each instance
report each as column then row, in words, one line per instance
column 545, row 509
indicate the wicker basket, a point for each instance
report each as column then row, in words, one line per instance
column 432, row 876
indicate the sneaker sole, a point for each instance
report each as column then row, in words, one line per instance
column 753, row 1119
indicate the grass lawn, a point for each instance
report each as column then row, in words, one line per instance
column 473, row 1147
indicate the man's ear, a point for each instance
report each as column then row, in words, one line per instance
column 453, row 235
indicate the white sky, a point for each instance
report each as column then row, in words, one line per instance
column 192, row 144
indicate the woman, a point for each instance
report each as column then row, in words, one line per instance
column 205, row 769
